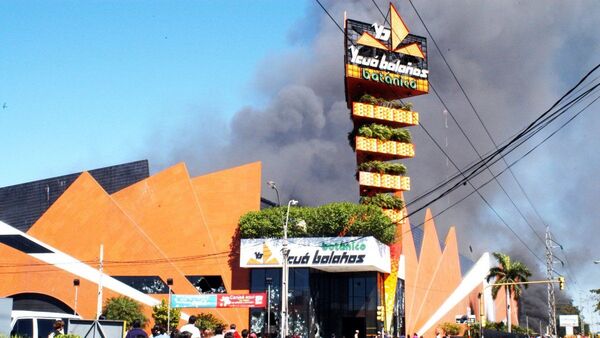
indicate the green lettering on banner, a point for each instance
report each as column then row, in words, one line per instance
column 366, row 75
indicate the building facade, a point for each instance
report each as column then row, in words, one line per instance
column 173, row 226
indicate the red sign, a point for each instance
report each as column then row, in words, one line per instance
column 247, row 300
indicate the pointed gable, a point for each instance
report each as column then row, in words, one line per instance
column 85, row 217
column 428, row 259
column 445, row 279
column 410, row 270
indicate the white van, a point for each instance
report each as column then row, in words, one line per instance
column 36, row 324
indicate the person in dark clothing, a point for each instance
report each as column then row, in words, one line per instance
column 136, row 331
column 57, row 329
column 245, row 333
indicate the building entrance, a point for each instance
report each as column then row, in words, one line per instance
column 351, row 324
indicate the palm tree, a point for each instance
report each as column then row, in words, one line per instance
column 508, row 271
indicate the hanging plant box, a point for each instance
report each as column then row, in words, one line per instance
column 395, row 215
column 393, row 116
column 397, row 149
column 391, row 182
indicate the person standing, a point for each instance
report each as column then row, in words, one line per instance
column 218, row 332
column 136, row 330
column 191, row 327
column 58, row 328
column 159, row 332
column 233, row 330
column 356, row 333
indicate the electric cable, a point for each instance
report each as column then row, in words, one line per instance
column 510, row 165
column 499, row 151
column 469, row 140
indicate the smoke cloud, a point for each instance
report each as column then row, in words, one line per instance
column 514, row 58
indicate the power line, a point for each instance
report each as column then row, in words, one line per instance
column 477, row 167
column 476, row 151
column 528, row 130
column 482, row 124
column 510, row 165
column 474, row 148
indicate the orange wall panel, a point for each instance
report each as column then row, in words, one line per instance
column 428, row 259
column 411, row 264
column 444, row 281
column 167, row 225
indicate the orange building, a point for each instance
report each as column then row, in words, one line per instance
column 173, row 226
column 169, row 225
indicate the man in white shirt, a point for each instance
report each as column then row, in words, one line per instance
column 191, row 327
column 218, row 332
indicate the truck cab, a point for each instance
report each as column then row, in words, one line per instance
column 36, row 324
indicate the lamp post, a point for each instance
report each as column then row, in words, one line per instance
column 76, row 285
column 597, row 262
column 268, row 281
column 169, row 284
column 273, row 186
column 284, row 274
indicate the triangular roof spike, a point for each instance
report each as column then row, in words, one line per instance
column 429, row 231
column 411, row 49
column 369, row 40
column 399, row 28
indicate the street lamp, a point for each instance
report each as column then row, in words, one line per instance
column 273, row 186
column 169, row 284
column 269, row 282
column 597, row 262
column 284, row 274
column 76, row 285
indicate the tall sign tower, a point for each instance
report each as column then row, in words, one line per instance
column 383, row 65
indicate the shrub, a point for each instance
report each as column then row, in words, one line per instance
column 451, row 329
column 498, row 326
column 207, row 321
column 124, row 308
column 383, row 167
column 160, row 315
column 382, row 132
column 370, row 99
column 385, row 201
column 330, row 220
column 396, row 104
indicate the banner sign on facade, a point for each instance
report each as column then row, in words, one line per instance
column 248, row 300
column 219, row 300
column 332, row 254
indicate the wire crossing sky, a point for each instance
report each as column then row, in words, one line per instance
column 216, row 84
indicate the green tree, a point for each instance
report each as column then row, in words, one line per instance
column 124, row 308
column 508, row 271
column 207, row 321
column 329, row 220
column 451, row 329
column 160, row 314
column 597, row 293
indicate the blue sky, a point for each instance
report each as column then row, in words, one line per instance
column 86, row 83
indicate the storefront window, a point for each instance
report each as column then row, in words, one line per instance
column 320, row 303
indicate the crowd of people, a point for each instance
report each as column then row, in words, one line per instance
column 189, row 330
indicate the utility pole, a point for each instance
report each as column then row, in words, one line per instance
column 549, row 276
column 100, row 270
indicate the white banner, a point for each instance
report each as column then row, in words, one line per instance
column 568, row 320
column 333, row 254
